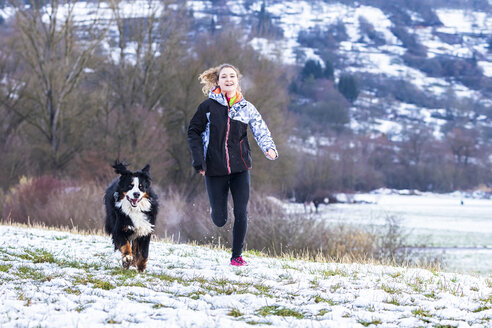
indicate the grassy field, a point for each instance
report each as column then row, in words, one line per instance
column 53, row 278
column 455, row 226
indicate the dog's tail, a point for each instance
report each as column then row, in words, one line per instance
column 108, row 202
column 108, row 227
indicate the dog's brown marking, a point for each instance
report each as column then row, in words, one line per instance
column 145, row 195
column 126, row 255
column 126, row 249
column 122, row 195
column 141, row 264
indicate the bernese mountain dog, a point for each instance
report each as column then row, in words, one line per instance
column 131, row 211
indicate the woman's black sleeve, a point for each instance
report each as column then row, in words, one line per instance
column 197, row 126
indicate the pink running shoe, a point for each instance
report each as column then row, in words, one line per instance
column 238, row 261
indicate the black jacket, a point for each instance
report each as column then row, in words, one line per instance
column 218, row 139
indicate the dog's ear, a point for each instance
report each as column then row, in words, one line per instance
column 120, row 168
column 146, row 169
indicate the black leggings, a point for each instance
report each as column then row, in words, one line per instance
column 218, row 191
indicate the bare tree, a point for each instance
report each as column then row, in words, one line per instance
column 56, row 53
column 415, row 138
column 12, row 91
column 139, row 80
column 463, row 144
column 11, row 88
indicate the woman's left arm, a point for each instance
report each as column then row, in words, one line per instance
column 261, row 133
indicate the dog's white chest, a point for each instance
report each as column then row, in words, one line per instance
column 141, row 225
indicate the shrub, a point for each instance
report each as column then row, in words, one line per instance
column 28, row 196
column 368, row 29
column 410, row 41
column 401, row 90
column 53, row 202
column 398, row 13
column 449, row 38
column 323, row 39
column 319, row 105
column 328, row 112
column 464, row 70
column 274, row 232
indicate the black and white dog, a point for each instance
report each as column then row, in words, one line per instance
column 131, row 211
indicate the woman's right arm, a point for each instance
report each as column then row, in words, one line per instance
column 197, row 126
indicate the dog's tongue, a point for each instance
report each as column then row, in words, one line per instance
column 134, row 201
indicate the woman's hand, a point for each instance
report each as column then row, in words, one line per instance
column 202, row 172
column 272, row 154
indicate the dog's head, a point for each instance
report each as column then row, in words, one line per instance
column 132, row 186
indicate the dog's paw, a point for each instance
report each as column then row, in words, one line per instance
column 126, row 261
column 141, row 264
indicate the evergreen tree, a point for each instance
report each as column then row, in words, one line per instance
column 347, row 85
column 212, row 26
column 328, row 71
column 312, row 68
column 264, row 27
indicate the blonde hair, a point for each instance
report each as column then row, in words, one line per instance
column 210, row 77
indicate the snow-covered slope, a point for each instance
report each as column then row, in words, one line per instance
column 59, row 279
column 464, row 34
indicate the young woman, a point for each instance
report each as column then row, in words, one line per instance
column 219, row 146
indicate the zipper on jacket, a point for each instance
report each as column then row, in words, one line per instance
column 227, row 137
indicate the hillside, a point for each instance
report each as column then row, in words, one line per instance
column 412, row 59
column 358, row 95
column 416, row 99
column 415, row 61
column 59, row 279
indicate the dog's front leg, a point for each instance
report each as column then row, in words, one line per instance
column 120, row 234
column 143, row 252
column 135, row 252
column 126, row 255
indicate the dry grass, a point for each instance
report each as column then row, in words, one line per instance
column 43, row 226
column 79, row 208
column 274, row 233
column 53, row 202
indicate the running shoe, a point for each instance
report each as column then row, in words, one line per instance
column 238, row 261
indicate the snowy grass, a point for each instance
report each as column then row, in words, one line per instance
column 60, row 279
column 456, row 226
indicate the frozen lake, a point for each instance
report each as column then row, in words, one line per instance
column 453, row 225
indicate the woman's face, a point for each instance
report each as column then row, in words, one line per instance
column 228, row 81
